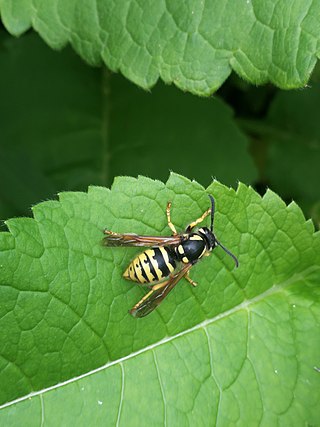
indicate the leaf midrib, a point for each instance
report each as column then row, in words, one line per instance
column 244, row 305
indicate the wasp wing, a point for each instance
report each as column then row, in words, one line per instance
column 152, row 299
column 130, row 239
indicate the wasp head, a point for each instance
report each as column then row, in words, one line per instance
column 211, row 238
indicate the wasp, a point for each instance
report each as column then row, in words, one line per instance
column 169, row 258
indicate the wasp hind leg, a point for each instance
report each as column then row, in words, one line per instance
column 147, row 295
column 171, row 226
column 156, row 286
column 163, row 284
column 159, row 285
column 197, row 221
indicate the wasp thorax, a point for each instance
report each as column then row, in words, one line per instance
column 191, row 249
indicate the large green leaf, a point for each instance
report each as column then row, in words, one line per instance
column 193, row 44
column 75, row 125
column 240, row 349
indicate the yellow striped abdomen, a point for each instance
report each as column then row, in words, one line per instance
column 151, row 266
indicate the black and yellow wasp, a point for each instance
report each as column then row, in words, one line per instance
column 169, row 259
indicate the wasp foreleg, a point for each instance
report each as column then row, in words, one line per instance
column 146, row 296
column 197, row 221
column 172, row 227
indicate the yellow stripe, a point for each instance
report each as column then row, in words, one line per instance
column 129, row 273
column 166, row 258
column 154, row 263
column 145, row 264
column 126, row 274
column 132, row 276
column 180, row 249
column 196, row 237
column 138, row 271
column 203, row 252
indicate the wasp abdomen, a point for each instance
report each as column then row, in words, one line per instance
column 151, row 266
column 191, row 249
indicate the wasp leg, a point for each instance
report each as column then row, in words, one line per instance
column 172, row 227
column 110, row 233
column 159, row 285
column 197, row 221
column 187, row 277
column 142, row 300
column 154, row 288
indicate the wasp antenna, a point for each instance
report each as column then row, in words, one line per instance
column 212, row 211
column 229, row 253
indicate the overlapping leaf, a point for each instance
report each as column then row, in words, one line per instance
column 194, row 44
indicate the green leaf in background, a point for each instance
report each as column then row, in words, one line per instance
column 75, row 125
column 288, row 146
column 240, row 349
column 193, row 44
column 294, row 153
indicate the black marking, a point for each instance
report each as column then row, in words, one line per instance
column 153, row 271
column 172, row 256
column 193, row 249
column 162, row 265
column 144, row 274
